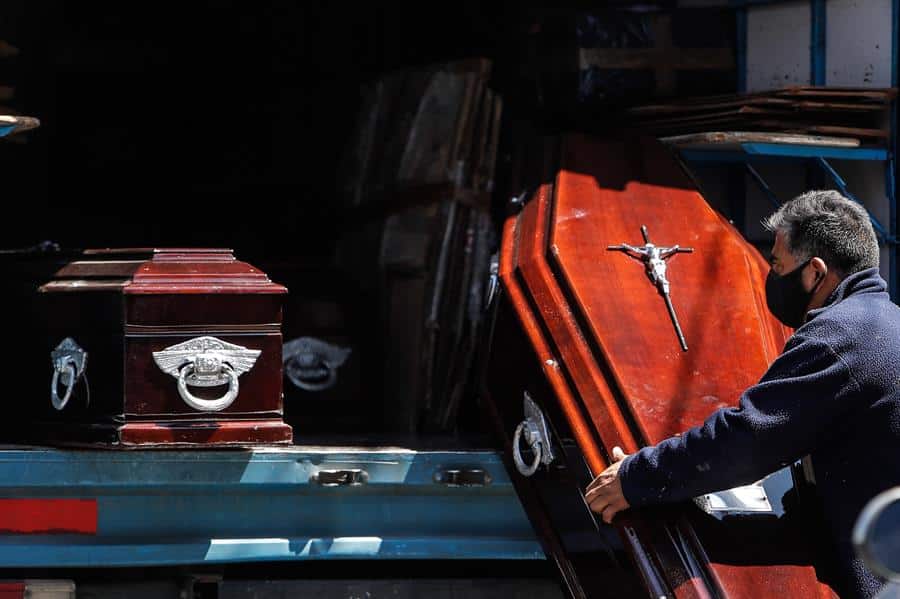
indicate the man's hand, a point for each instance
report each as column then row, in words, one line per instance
column 604, row 495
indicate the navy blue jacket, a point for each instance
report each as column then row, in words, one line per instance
column 833, row 394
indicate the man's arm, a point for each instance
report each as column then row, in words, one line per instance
column 785, row 416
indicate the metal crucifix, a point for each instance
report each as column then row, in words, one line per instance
column 654, row 258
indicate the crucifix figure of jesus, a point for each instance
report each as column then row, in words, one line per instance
column 654, row 258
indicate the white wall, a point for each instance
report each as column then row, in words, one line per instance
column 858, row 43
column 778, row 45
column 858, row 54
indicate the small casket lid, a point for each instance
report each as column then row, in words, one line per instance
column 162, row 271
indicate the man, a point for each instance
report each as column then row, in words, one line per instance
column 831, row 398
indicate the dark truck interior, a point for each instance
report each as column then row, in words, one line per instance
column 364, row 156
column 251, row 126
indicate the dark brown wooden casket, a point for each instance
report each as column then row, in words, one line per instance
column 583, row 330
column 159, row 347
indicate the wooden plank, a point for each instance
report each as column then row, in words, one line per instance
column 465, row 152
column 882, row 95
column 717, row 138
column 786, row 112
column 790, row 127
column 651, row 58
column 698, row 105
column 494, row 143
column 482, row 139
column 459, row 147
column 705, row 104
column 837, row 106
column 664, row 58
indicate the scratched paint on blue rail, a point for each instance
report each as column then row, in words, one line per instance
column 167, row 508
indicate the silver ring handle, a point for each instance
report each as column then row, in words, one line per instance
column 328, row 383
column 536, row 446
column 208, row 405
column 67, row 366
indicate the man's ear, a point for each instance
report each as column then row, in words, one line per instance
column 819, row 270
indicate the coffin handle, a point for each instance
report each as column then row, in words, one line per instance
column 533, row 442
column 312, row 364
column 69, row 362
column 68, row 372
column 208, row 405
column 537, row 434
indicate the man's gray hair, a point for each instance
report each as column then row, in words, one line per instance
column 830, row 226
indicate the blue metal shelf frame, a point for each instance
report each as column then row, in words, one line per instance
column 213, row 507
column 818, row 16
column 818, row 156
column 768, row 151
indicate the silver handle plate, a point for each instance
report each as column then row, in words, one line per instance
column 206, row 362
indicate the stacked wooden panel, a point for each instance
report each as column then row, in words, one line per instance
column 417, row 183
column 848, row 113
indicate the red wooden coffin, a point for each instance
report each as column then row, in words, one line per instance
column 613, row 364
column 161, row 347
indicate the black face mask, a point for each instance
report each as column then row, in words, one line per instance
column 786, row 297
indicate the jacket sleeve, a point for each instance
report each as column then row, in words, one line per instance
column 785, row 416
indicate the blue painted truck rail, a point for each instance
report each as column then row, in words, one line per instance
column 196, row 507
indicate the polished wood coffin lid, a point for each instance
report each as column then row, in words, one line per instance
column 163, row 271
column 604, row 337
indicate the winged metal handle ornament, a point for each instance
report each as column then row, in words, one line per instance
column 206, row 362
